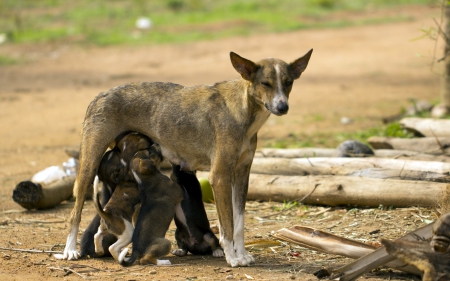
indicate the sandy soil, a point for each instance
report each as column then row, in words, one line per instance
column 363, row 73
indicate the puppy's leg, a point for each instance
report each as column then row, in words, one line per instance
column 158, row 248
column 217, row 252
column 98, row 240
column 124, row 240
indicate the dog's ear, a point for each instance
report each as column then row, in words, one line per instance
column 245, row 67
column 299, row 65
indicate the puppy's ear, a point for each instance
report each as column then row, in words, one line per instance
column 245, row 67
column 299, row 65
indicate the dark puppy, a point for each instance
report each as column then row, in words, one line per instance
column 110, row 172
column 87, row 244
column 159, row 196
column 193, row 232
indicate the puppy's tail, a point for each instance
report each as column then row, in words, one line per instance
column 96, row 198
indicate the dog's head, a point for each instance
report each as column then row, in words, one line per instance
column 271, row 79
column 147, row 161
column 111, row 169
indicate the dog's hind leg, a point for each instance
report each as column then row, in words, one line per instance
column 99, row 130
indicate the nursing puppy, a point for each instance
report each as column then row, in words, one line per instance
column 117, row 215
column 193, row 232
column 159, row 196
column 110, row 171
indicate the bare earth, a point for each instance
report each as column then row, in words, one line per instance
column 363, row 73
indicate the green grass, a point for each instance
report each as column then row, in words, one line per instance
column 109, row 22
column 5, row 60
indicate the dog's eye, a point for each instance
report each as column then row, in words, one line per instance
column 288, row 83
column 267, row 84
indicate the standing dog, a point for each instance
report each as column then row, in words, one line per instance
column 193, row 232
column 201, row 127
column 159, row 196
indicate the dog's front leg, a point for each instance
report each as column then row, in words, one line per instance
column 230, row 196
column 240, row 189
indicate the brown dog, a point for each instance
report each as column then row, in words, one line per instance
column 159, row 196
column 202, row 127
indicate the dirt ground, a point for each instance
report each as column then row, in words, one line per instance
column 363, row 73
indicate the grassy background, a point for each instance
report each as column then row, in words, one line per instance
column 108, row 22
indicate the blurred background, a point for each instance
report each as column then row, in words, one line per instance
column 372, row 61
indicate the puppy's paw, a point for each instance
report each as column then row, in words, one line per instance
column 218, row 253
column 122, row 255
column 179, row 252
column 163, row 262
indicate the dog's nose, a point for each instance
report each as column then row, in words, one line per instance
column 282, row 107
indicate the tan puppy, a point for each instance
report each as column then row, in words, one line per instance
column 159, row 196
column 202, row 127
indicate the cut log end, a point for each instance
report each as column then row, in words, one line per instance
column 27, row 194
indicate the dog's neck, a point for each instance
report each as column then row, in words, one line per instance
column 250, row 105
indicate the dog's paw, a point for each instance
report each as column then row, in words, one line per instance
column 122, row 255
column 245, row 260
column 68, row 255
column 218, row 253
column 179, row 252
column 163, row 262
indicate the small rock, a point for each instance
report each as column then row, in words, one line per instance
column 152, row 272
column 230, row 277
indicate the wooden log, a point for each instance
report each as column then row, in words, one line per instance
column 295, row 152
column 312, row 166
column 329, row 243
column 343, row 190
column 410, row 155
column 428, row 127
column 429, row 145
column 31, row 195
column 377, row 258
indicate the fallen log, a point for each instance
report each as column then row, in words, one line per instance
column 290, row 167
column 434, row 265
column 319, row 240
column 32, row 195
column 378, row 257
column 330, row 152
column 295, row 152
column 431, row 145
column 428, row 127
column 343, row 190
column 319, row 165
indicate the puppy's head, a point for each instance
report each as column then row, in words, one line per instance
column 111, row 168
column 147, row 161
column 132, row 143
column 271, row 79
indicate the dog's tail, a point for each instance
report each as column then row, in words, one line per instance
column 104, row 215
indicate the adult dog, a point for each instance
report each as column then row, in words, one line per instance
column 201, row 127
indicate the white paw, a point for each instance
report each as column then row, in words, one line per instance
column 70, row 251
column 179, row 252
column 122, row 255
column 68, row 255
column 163, row 262
column 246, row 260
column 218, row 253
